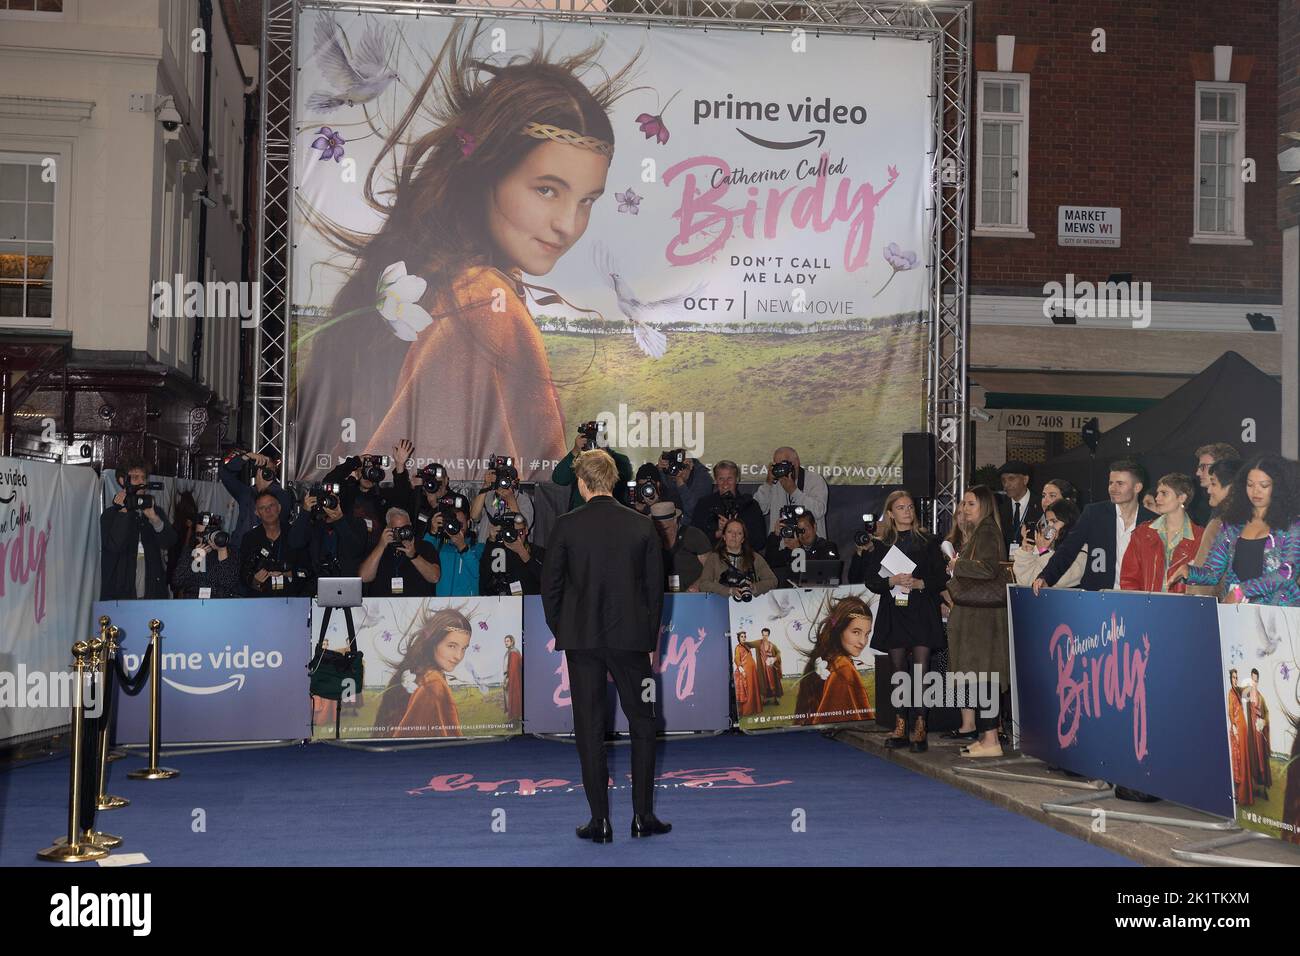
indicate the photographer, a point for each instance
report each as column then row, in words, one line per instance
column 359, row 478
column 788, row 483
column 509, row 564
column 400, row 565
column 211, row 570
column 419, row 500
column 231, row 474
column 798, row 531
column 268, row 567
column 134, row 533
column 647, row 489
column 688, row 479
column 457, row 556
column 499, row 495
column 334, row 543
column 685, row 548
column 592, row 435
column 734, row 568
column 726, row 502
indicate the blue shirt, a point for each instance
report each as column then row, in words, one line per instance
column 459, row 568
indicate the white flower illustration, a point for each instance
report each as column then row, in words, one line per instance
column 398, row 295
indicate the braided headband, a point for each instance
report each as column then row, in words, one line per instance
column 568, row 137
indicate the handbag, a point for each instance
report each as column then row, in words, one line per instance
column 331, row 670
column 990, row 592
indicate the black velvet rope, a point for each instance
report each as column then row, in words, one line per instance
column 133, row 685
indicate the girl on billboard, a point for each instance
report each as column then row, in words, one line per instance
column 830, row 690
column 431, row 336
column 417, row 701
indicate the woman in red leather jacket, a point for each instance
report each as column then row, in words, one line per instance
column 1160, row 547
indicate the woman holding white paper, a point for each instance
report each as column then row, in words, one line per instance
column 908, row 622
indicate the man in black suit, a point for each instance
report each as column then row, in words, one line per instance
column 1017, row 505
column 1103, row 530
column 603, row 594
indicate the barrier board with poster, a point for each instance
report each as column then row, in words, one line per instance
column 434, row 667
column 232, row 670
column 801, row 657
column 691, row 666
column 1122, row 686
column 1261, row 687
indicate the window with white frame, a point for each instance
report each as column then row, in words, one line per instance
column 26, row 237
column 1002, row 195
column 1220, row 147
column 31, row 8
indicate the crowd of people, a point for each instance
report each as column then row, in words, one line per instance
column 417, row 535
column 1232, row 532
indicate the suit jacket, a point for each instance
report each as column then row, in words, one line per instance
column 121, row 532
column 1094, row 530
column 1010, row 530
column 603, row 581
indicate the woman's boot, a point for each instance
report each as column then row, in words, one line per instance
column 899, row 737
column 919, row 743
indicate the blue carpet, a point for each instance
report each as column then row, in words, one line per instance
column 732, row 800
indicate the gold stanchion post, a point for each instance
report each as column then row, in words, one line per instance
column 98, row 654
column 72, row 850
column 104, row 800
column 153, row 771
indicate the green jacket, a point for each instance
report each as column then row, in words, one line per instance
column 563, row 475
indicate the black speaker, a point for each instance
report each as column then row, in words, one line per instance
column 918, row 464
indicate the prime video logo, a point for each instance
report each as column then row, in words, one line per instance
column 219, row 300
column 1102, row 300
column 243, row 659
column 636, row 429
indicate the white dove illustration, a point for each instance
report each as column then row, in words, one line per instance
column 354, row 79
column 650, row 339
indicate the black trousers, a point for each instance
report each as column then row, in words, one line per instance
column 631, row 671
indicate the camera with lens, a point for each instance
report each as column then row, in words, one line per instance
column 728, row 506
column 265, row 562
column 589, row 431
column 402, row 535
column 507, row 475
column 448, row 505
column 374, row 466
column 741, row 581
column 432, row 475
column 790, row 515
column 136, row 500
column 782, row 469
column 212, row 530
column 863, row 537
column 676, row 461
column 645, row 491
column 507, row 532
column 327, row 498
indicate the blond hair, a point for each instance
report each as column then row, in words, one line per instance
column 597, row 469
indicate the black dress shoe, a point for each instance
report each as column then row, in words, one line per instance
column 596, row 830
column 962, row 735
column 649, row 825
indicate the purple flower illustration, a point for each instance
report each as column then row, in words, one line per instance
column 653, row 126
column 900, row 261
column 797, row 625
column 628, row 202
column 468, row 143
column 475, row 648
column 1286, row 671
column 330, row 143
column 482, row 625
column 388, row 635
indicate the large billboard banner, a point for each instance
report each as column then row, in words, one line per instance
column 505, row 227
